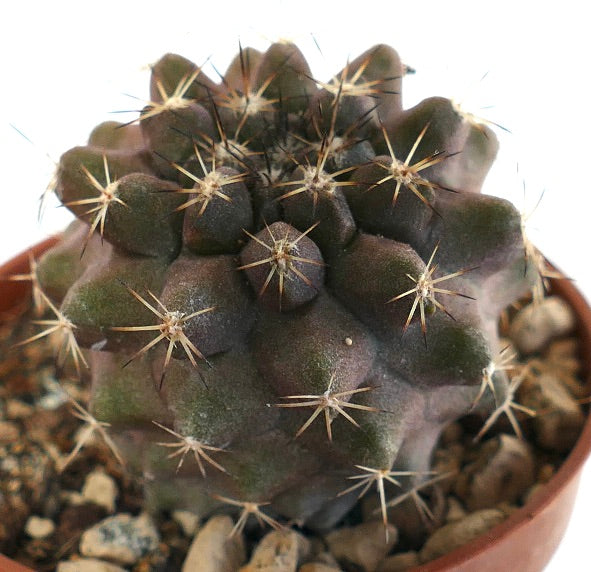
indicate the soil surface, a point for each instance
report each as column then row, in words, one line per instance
column 51, row 499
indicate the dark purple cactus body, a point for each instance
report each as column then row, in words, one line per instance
column 302, row 278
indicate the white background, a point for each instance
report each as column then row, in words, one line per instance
column 65, row 66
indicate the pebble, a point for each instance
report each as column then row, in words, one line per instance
column 560, row 419
column 502, row 472
column 399, row 562
column 87, row 565
column 73, row 498
column 363, row 545
column 122, row 538
column 37, row 527
column 562, row 359
column 532, row 492
column 9, row 432
column 279, row 551
column 507, row 508
column 456, row 534
column 100, row 489
column 187, row 520
column 545, row 473
column 320, row 555
column 455, row 510
column 16, row 409
column 318, row 567
column 214, row 550
column 536, row 324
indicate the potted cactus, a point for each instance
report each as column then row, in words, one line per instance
column 283, row 290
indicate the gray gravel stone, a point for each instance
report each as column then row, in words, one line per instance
column 88, row 565
column 214, row 550
column 364, row 545
column 100, row 489
column 536, row 324
column 9, row 431
column 279, row 551
column 560, row 419
column 121, row 538
column 187, row 520
column 456, row 534
column 503, row 471
column 399, row 562
column 455, row 510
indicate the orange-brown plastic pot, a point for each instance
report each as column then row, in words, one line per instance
column 524, row 542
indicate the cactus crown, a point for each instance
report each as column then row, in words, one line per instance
column 301, row 279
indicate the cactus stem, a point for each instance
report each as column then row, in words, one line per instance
column 231, row 149
column 378, row 476
column 504, row 362
column 315, row 180
column 533, row 256
column 282, row 258
column 39, row 302
column 208, row 187
column 230, row 152
column 248, row 508
column 107, row 195
column 414, row 494
column 473, row 119
column 407, row 174
column 171, row 328
column 425, row 291
column 507, row 407
column 543, row 270
column 65, row 328
column 185, row 444
column 352, row 87
column 247, row 103
column 176, row 100
column 91, row 425
column 331, row 403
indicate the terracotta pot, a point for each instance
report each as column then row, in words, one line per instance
column 8, row 565
column 525, row 541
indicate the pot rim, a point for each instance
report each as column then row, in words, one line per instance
column 569, row 470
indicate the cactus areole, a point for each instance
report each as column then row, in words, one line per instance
column 278, row 284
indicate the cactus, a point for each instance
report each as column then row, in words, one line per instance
column 280, row 284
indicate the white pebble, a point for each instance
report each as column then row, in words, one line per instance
column 100, row 489
column 214, row 550
column 87, row 565
column 73, row 498
column 37, row 527
column 456, row 534
column 279, row 551
column 187, row 520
